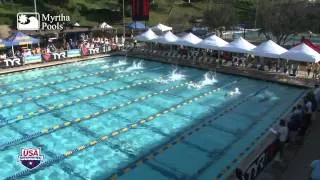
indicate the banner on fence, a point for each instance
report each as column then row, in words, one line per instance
column 96, row 50
column 32, row 59
column 59, row 55
column 12, row 62
column 259, row 163
column 74, row 53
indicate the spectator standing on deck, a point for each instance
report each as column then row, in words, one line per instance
column 282, row 133
column 315, row 170
column 306, row 121
column 309, row 68
column 316, row 93
column 294, row 124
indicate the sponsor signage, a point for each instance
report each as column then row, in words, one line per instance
column 30, row 157
column 32, row 59
column 74, row 53
column 256, row 167
column 12, row 62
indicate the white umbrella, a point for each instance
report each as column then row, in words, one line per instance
column 162, row 28
column 167, row 38
column 189, row 40
column 239, row 45
column 146, row 36
column 302, row 53
column 212, row 42
column 104, row 25
column 269, row 49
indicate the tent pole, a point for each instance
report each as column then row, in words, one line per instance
column 12, row 50
column 219, row 56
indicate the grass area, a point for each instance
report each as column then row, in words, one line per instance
column 178, row 13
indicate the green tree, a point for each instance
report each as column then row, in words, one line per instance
column 280, row 21
column 220, row 16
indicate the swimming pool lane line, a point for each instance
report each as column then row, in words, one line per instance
column 61, row 105
column 254, row 123
column 119, row 131
column 262, row 135
column 46, row 131
column 75, row 63
column 177, row 139
column 55, row 82
column 20, row 101
column 105, row 110
column 61, row 72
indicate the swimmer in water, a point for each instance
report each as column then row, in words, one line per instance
column 264, row 99
column 235, row 92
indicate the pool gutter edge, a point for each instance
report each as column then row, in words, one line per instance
column 260, row 75
column 263, row 145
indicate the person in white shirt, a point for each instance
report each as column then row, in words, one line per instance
column 282, row 133
column 3, row 56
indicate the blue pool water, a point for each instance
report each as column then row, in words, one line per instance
column 125, row 114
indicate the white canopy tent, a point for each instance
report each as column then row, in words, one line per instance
column 167, row 38
column 76, row 24
column 239, row 45
column 189, row 40
column 147, row 36
column 161, row 28
column 212, row 42
column 269, row 49
column 104, row 25
column 302, row 53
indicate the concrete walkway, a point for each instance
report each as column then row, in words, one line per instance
column 297, row 157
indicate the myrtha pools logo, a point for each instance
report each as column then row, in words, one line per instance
column 31, row 157
column 35, row 21
column 28, row 21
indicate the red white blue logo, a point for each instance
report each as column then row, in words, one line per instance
column 31, row 157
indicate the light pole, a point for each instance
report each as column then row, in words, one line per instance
column 35, row 5
column 256, row 15
column 123, row 16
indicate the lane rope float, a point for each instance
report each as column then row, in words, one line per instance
column 76, row 63
column 54, row 128
column 116, row 133
column 170, row 143
column 61, row 105
column 63, row 71
column 20, row 101
column 54, row 82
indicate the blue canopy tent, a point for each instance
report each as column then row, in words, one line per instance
column 137, row 25
column 3, row 43
column 18, row 39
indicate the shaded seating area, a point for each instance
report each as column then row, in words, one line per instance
column 300, row 61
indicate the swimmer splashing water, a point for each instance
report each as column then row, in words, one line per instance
column 236, row 91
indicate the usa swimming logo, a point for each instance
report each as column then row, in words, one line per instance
column 31, row 157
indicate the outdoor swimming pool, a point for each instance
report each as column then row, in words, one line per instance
column 115, row 117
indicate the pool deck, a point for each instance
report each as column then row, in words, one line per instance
column 252, row 73
column 297, row 159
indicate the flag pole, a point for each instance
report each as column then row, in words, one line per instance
column 35, row 5
column 123, row 19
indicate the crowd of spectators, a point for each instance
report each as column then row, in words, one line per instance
column 294, row 128
column 58, row 46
